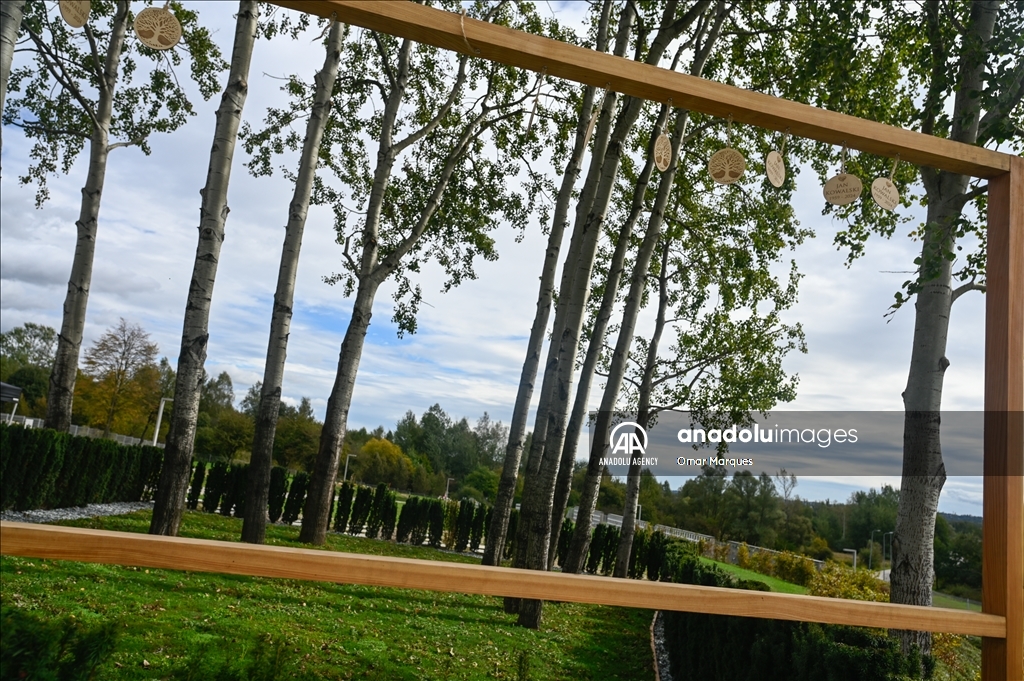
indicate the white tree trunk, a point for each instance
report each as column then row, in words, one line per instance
column 581, row 535
column 69, row 341
column 254, row 526
column 213, row 213
column 924, row 473
column 563, row 484
column 643, row 418
column 10, row 24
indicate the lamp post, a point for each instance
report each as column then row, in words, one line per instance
column 160, row 417
column 854, row 552
column 871, row 547
column 446, row 487
column 345, row 476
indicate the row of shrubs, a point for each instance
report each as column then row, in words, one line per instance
column 646, row 559
column 786, row 565
column 727, row 648
column 41, row 468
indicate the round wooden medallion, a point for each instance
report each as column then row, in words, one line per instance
column 885, row 194
column 843, row 189
column 157, row 28
column 726, row 166
column 662, row 152
column 775, row 168
column 75, row 12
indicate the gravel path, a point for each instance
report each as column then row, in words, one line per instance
column 91, row 511
column 661, row 652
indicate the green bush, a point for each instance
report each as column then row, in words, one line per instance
column 58, row 650
column 389, row 516
column 510, row 534
column 407, row 520
column 464, row 524
column 278, row 492
column 726, row 648
column 198, row 476
column 476, row 532
column 638, row 553
column 296, row 498
column 593, row 561
column 378, row 504
column 361, row 508
column 794, row 568
column 215, row 483
column 435, row 523
column 344, row 510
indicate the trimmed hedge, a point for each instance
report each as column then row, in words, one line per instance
column 296, row 498
column 41, row 468
column 216, row 483
column 198, row 477
column 726, row 648
column 344, row 511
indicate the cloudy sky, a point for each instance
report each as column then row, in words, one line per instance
column 468, row 352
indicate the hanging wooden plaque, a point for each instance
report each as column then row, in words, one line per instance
column 843, row 189
column 885, row 193
column 775, row 168
column 75, row 12
column 726, row 165
column 157, row 28
column 662, row 152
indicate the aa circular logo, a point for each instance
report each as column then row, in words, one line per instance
column 629, row 438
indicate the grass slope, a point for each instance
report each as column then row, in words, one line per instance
column 774, row 583
column 331, row 631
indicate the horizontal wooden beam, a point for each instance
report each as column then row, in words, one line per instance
column 199, row 555
column 535, row 53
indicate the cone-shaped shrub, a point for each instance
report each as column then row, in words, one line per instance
column 198, row 477
column 215, row 487
column 344, row 511
column 464, row 524
column 296, row 498
column 278, row 492
column 407, row 520
column 389, row 516
column 360, row 509
column 476, row 531
column 435, row 523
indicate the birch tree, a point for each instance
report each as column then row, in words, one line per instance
column 585, row 121
column 213, row 213
column 103, row 87
column 254, row 525
column 434, row 117
column 10, row 25
column 534, row 531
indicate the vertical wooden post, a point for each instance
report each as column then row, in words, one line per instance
column 1003, row 525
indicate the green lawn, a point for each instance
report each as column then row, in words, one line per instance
column 774, row 583
column 332, row 631
column 944, row 601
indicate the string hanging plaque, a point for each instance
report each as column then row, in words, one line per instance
column 663, row 149
column 75, row 12
column 775, row 165
column 843, row 188
column 727, row 165
column 158, row 28
column 884, row 192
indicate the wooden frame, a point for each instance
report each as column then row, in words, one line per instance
column 200, row 555
column 1002, row 621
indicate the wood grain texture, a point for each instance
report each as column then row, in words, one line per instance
column 1003, row 506
column 497, row 43
column 198, row 555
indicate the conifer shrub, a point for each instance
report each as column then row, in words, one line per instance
column 344, row 510
column 407, row 520
column 476, row 531
column 389, row 516
column 198, row 476
column 215, row 483
column 296, row 498
column 464, row 524
column 278, row 493
column 361, row 508
column 435, row 523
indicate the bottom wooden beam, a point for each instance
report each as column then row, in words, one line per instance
column 199, row 555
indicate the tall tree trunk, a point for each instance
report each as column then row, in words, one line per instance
column 213, row 213
column 913, row 568
column 10, row 24
column 254, row 526
column 316, row 511
column 502, row 511
column 563, row 484
column 69, row 341
column 535, row 522
column 643, row 418
column 581, row 535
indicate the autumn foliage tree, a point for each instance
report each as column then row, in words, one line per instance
column 122, row 371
